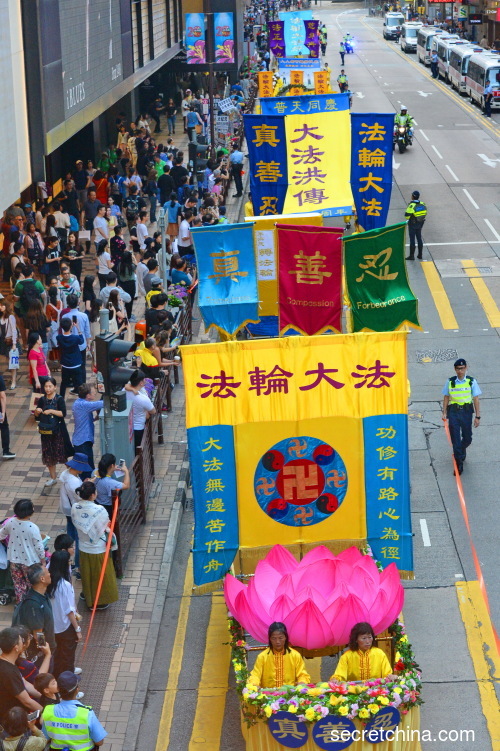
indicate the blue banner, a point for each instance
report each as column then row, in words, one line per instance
column 213, row 475
column 289, row 105
column 387, row 488
column 224, row 37
column 266, row 144
column 371, row 167
column 227, row 275
column 295, row 31
column 299, row 63
column 195, row 38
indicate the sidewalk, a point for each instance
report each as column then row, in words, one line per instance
column 121, row 650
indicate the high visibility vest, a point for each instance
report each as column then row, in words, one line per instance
column 460, row 393
column 417, row 211
column 342, row 79
column 68, row 732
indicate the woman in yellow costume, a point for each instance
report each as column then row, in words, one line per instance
column 279, row 665
column 362, row 661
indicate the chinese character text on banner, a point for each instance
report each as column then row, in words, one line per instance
column 277, row 38
column 295, row 33
column 377, row 283
column 266, row 144
column 310, row 279
column 371, row 167
column 288, row 105
column 227, row 274
column 318, row 153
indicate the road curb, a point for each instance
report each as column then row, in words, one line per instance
column 144, row 675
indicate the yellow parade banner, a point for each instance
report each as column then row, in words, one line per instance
column 319, row 163
column 266, row 255
column 265, row 78
column 296, row 79
column 321, row 82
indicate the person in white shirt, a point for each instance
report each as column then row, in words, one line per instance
column 67, row 629
column 142, row 230
column 101, row 226
column 70, row 481
column 142, row 407
column 25, row 545
column 103, row 263
column 185, row 240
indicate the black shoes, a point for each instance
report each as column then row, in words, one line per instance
column 410, row 258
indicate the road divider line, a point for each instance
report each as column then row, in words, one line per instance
column 441, row 301
column 423, row 134
column 470, row 198
column 425, row 533
column 489, row 224
column 437, row 152
column 167, row 711
column 452, row 173
column 485, row 297
column 211, row 702
column 483, row 651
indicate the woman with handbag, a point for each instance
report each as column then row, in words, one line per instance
column 34, row 245
column 56, row 445
column 8, row 338
column 92, row 523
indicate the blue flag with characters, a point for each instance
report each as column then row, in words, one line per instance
column 266, row 143
column 371, row 167
column 289, row 105
column 295, row 31
column 227, row 276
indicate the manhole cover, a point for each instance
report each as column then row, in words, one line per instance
column 436, row 355
column 481, row 270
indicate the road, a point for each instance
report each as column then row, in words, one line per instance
column 455, row 163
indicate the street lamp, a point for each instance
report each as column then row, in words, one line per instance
column 162, row 225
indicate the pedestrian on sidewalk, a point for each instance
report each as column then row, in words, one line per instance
column 84, row 325
column 4, row 423
column 92, row 523
column 12, row 690
column 25, row 545
column 35, row 611
column 461, row 400
column 56, row 445
column 83, row 415
column 39, row 371
column 77, row 724
column 142, row 406
column 8, row 338
column 106, row 484
column 67, row 628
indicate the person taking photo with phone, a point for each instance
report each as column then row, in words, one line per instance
column 19, row 725
column 12, row 690
column 35, row 611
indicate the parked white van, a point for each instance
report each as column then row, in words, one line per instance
column 392, row 25
column 424, row 42
column 483, row 67
column 459, row 62
column 408, row 38
column 444, row 48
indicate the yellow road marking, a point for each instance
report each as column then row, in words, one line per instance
column 482, row 649
column 448, row 90
column 441, row 301
column 209, row 715
column 167, row 711
column 485, row 297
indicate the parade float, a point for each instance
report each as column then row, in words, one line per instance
column 320, row 599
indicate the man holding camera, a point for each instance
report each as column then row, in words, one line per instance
column 35, row 611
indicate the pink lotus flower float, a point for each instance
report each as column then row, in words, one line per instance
column 319, row 599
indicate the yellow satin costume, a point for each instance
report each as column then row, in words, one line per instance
column 274, row 669
column 362, row 666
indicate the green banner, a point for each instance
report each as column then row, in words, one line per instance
column 377, row 283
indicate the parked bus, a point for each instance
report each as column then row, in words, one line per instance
column 444, row 48
column 424, row 42
column 392, row 25
column 408, row 38
column 483, row 67
column 459, row 62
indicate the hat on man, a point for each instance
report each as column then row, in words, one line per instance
column 156, row 281
column 415, row 194
column 78, row 161
column 27, row 206
column 80, row 463
column 459, row 362
column 67, row 682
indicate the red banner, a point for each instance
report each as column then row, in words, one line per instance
column 310, row 279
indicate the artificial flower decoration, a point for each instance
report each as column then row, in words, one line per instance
column 319, row 599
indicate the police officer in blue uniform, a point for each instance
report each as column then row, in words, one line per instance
column 461, row 401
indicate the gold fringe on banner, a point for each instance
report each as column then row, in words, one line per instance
column 205, row 589
column 408, row 575
column 247, row 558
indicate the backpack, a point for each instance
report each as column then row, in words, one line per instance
column 29, row 293
column 419, row 212
column 23, row 740
column 132, row 208
column 74, row 226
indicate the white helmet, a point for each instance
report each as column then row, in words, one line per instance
column 404, row 107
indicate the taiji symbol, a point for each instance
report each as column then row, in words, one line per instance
column 298, row 448
column 264, row 486
column 303, row 515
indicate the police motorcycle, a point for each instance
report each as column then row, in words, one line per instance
column 349, row 44
column 402, row 138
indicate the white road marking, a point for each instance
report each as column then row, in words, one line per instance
column 452, row 173
column 425, row 533
column 415, row 122
column 497, row 236
column 488, row 162
column 465, row 242
column 425, row 93
column 395, row 165
column 470, row 198
column 359, row 95
column 423, row 134
column 437, row 152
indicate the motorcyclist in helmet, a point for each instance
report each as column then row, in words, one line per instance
column 404, row 119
